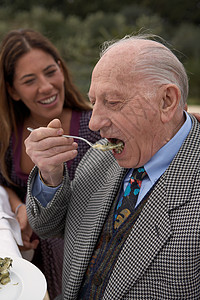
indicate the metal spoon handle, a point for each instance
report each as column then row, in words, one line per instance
column 79, row 138
column 68, row 136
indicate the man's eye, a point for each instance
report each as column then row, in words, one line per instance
column 113, row 103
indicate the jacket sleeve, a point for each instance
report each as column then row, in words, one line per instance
column 48, row 221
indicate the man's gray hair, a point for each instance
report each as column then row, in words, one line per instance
column 155, row 62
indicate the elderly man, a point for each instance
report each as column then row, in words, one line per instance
column 131, row 216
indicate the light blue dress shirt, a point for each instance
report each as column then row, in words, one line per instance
column 155, row 167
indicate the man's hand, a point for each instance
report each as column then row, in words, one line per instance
column 48, row 150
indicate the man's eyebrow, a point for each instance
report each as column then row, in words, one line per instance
column 32, row 74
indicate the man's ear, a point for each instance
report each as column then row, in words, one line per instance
column 170, row 100
column 12, row 92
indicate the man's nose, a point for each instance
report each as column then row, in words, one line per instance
column 99, row 119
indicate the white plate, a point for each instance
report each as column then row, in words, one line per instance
column 27, row 282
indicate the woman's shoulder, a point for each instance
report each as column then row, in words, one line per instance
column 86, row 115
column 84, row 129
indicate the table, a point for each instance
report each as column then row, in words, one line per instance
column 10, row 232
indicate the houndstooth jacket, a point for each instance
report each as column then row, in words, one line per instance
column 161, row 256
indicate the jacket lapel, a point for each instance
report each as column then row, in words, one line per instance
column 150, row 232
column 92, row 223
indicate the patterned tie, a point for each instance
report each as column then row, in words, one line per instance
column 128, row 201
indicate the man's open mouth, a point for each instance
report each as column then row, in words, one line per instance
column 113, row 144
column 117, row 145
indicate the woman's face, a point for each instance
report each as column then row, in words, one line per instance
column 39, row 83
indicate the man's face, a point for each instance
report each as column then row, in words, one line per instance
column 125, row 109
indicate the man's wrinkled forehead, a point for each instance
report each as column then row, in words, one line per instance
column 115, row 63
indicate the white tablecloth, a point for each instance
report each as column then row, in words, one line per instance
column 10, row 233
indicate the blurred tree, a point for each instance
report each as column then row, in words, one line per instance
column 82, row 47
column 79, row 28
column 152, row 23
column 175, row 11
column 186, row 39
column 133, row 12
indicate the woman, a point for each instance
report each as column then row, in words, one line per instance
column 35, row 87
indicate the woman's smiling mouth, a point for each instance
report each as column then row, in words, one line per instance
column 49, row 100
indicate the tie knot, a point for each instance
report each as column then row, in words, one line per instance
column 139, row 173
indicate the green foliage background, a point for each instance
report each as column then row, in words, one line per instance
column 78, row 28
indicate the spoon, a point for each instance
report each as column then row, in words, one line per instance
column 68, row 136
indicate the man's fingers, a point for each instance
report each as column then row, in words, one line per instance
column 55, row 124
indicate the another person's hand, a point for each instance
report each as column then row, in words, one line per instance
column 49, row 150
column 20, row 210
column 197, row 116
column 26, row 230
